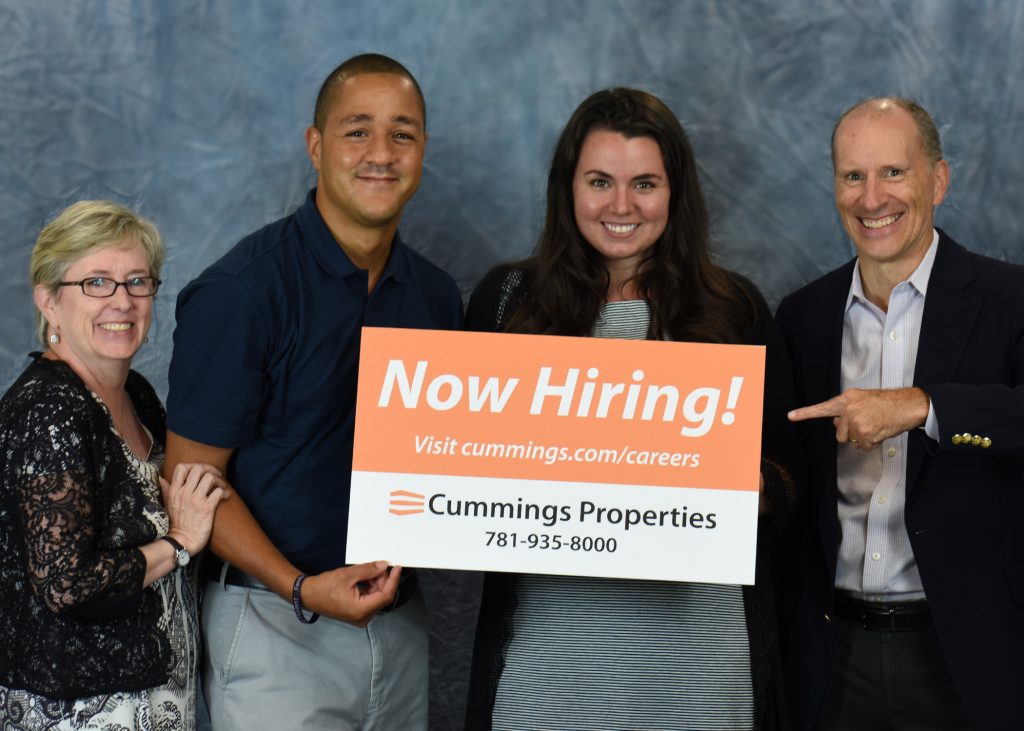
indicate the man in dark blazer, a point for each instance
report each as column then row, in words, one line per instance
column 908, row 608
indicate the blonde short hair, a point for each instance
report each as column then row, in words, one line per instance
column 79, row 230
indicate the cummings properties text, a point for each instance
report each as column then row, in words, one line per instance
column 586, row 512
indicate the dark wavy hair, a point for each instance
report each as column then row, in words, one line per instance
column 691, row 297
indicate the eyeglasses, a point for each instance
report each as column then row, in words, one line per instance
column 104, row 287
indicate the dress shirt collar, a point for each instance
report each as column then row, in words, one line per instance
column 918, row 278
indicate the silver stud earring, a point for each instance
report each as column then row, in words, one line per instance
column 54, row 338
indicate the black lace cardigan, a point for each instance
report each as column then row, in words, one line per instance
column 74, row 616
column 493, row 303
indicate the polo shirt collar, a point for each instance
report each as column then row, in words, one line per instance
column 332, row 257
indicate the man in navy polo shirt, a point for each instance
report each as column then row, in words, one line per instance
column 263, row 384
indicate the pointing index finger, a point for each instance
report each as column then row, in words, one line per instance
column 825, row 409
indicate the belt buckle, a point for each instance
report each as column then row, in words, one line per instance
column 890, row 617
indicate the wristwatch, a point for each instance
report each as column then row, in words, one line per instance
column 181, row 554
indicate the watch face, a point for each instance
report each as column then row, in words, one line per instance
column 183, row 557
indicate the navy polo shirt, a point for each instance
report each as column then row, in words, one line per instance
column 266, row 353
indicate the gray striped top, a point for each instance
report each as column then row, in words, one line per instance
column 594, row 653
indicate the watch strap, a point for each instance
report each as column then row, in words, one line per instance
column 178, row 550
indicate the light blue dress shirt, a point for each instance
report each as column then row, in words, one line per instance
column 876, row 561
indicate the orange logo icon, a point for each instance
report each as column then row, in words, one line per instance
column 404, row 502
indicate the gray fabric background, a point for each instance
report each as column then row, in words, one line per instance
column 194, row 111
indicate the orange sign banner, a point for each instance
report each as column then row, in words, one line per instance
column 536, row 407
column 576, row 456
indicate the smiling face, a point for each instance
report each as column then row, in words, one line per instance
column 369, row 155
column 621, row 197
column 886, row 188
column 99, row 333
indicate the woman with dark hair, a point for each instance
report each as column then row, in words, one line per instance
column 625, row 254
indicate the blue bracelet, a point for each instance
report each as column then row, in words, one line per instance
column 297, row 601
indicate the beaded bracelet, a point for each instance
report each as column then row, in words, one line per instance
column 297, row 601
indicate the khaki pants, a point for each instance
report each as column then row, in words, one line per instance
column 263, row 669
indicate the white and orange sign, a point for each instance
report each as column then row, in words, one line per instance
column 580, row 456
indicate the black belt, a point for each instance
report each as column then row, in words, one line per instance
column 883, row 616
column 213, row 568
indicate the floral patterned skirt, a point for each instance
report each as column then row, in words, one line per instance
column 169, row 707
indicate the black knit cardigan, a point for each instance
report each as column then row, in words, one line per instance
column 74, row 616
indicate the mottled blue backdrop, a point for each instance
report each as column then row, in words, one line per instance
column 194, row 112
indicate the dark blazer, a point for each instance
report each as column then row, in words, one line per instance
column 965, row 503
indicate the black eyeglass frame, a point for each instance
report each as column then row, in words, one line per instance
column 81, row 285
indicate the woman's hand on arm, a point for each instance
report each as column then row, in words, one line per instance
column 190, row 499
column 236, row 537
column 352, row 594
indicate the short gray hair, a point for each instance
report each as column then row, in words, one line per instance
column 926, row 128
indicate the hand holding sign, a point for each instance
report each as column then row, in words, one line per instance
column 865, row 418
column 352, row 594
